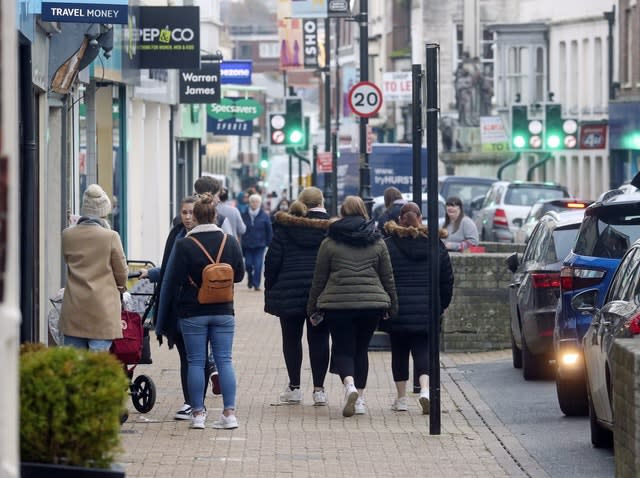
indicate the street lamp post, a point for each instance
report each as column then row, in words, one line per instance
column 365, row 172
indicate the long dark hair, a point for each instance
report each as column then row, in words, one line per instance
column 454, row 201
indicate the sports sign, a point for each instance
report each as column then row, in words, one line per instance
column 365, row 99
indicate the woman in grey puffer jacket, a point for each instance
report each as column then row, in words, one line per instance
column 353, row 287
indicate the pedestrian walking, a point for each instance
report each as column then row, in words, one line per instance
column 231, row 213
column 255, row 239
column 201, row 323
column 96, row 276
column 353, row 288
column 462, row 231
column 166, row 324
column 409, row 247
column 393, row 201
column 288, row 271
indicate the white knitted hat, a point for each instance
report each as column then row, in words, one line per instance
column 95, row 202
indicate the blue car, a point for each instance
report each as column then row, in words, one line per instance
column 611, row 225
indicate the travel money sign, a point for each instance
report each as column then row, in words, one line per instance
column 239, row 108
column 81, row 11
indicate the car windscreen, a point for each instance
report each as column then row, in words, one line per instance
column 563, row 240
column 607, row 235
column 467, row 191
column 529, row 195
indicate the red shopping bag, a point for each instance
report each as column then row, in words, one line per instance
column 128, row 349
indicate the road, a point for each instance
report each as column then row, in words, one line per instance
column 561, row 445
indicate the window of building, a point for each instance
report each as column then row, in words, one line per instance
column 269, row 50
column 573, row 78
column 245, row 51
column 598, row 80
column 487, row 43
column 628, row 47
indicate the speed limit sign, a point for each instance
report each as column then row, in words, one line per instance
column 365, row 99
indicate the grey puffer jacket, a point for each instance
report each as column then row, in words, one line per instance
column 353, row 270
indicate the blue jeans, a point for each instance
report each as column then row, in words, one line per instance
column 196, row 332
column 95, row 345
column 254, row 259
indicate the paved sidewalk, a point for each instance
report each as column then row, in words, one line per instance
column 276, row 440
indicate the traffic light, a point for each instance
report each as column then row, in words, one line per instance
column 526, row 134
column 264, row 158
column 294, row 122
column 560, row 133
column 277, row 122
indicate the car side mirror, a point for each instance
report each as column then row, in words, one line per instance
column 517, row 222
column 512, row 262
column 585, row 301
column 476, row 203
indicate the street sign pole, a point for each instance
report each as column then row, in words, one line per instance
column 365, row 172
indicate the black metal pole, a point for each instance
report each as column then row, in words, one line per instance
column 334, row 173
column 314, row 166
column 328, row 194
column 432, row 217
column 299, row 176
column 416, row 132
column 365, row 172
column 290, row 177
column 611, row 18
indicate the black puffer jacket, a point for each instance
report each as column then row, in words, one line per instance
column 409, row 251
column 390, row 214
column 290, row 262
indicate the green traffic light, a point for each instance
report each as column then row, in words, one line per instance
column 264, row 164
column 519, row 141
column 553, row 141
column 632, row 141
column 295, row 136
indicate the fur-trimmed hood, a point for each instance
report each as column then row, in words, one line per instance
column 307, row 231
column 392, row 228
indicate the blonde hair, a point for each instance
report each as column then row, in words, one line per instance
column 204, row 209
column 353, row 206
column 298, row 208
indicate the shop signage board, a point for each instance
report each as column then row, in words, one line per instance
column 324, row 162
column 200, row 86
column 81, row 11
column 593, row 136
column 396, row 86
column 229, row 127
column 245, row 109
column 164, row 37
column 236, row 72
column 493, row 135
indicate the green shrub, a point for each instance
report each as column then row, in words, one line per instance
column 70, row 406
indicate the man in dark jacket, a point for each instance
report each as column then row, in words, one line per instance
column 409, row 248
column 255, row 239
column 288, row 271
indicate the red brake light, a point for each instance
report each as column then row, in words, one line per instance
column 500, row 218
column 634, row 325
column 545, row 280
column 572, row 278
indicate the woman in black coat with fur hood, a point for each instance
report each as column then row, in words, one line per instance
column 288, row 271
column 409, row 247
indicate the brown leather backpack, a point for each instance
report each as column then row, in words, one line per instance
column 217, row 278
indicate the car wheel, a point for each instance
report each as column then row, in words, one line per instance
column 600, row 436
column 516, row 353
column 572, row 397
column 531, row 364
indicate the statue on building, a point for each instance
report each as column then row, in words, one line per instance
column 469, row 84
column 448, row 125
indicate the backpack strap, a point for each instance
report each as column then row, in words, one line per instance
column 224, row 241
column 203, row 249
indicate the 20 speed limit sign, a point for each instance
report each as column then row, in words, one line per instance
column 365, row 99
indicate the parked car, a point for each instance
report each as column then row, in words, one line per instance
column 542, row 207
column 378, row 207
column 466, row 188
column 506, row 202
column 534, row 293
column 619, row 317
column 610, row 226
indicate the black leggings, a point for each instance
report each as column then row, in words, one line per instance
column 184, row 369
column 401, row 344
column 318, row 341
column 351, row 332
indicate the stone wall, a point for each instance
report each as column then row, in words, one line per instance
column 626, row 403
column 478, row 317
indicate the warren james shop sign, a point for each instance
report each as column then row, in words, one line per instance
column 81, row 11
column 164, row 37
column 200, row 86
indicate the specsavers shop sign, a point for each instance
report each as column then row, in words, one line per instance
column 81, row 11
column 164, row 37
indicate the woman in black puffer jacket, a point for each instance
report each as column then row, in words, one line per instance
column 409, row 247
column 288, row 270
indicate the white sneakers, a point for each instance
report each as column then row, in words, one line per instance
column 350, row 398
column 198, row 419
column 400, row 404
column 424, row 401
column 226, row 423
column 291, row 396
column 361, row 406
column 319, row 398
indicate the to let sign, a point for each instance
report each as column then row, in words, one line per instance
column 200, row 86
column 396, row 86
column 323, row 163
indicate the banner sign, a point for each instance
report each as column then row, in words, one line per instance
column 237, row 72
column 593, row 136
column 493, row 135
column 81, row 11
column 246, row 109
column 396, row 86
column 229, row 127
column 200, row 86
column 164, row 37
column 298, row 43
column 324, row 163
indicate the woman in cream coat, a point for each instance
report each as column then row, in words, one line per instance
column 97, row 272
